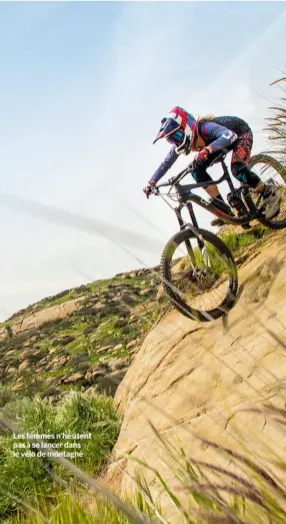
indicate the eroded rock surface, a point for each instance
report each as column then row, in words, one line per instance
column 190, row 379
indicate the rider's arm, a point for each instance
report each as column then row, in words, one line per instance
column 218, row 136
column 165, row 165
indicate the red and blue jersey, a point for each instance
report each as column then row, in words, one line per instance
column 220, row 133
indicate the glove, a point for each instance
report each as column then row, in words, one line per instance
column 148, row 189
column 201, row 157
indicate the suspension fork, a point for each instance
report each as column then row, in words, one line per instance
column 179, row 216
column 201, row 243
column 188, row 244
column 195, row 223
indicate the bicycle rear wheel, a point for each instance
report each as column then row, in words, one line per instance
column 271, row 171
column 187, row 280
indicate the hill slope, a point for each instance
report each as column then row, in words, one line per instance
column 185, row 377
column 86, row 337
column 80, row 338
column 190, row 378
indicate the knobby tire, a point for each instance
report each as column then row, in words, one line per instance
column 270, row 161
column 230, row 299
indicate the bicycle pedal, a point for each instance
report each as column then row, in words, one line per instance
column 217, row 222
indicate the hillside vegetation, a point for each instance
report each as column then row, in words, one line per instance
column 86, row 338
column 81, row 337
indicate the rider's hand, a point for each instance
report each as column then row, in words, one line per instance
column 201, row 157
column 148, row 189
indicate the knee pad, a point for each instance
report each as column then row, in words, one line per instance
column 194, row 175
column 240, row 172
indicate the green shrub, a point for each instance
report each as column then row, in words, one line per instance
column 76, row 414
column 6, row 395
column 204, row 492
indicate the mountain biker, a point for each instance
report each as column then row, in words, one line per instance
column 209, row 135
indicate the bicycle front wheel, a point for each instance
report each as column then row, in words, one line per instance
column 201, row 279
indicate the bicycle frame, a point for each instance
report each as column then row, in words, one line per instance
column 187, row 197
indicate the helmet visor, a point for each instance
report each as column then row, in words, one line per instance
column 168, row 127
column 176, row 138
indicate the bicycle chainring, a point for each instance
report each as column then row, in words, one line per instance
column 237, row 203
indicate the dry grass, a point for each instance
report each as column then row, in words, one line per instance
column 277, row 123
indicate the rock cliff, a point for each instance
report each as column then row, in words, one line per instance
column 190, row 379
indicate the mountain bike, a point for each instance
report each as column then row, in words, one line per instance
column 199, row 271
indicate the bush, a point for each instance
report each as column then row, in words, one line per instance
column 204, row 492
column 6, row 395
column 26, row 476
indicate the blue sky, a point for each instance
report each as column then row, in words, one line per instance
column 83, row 89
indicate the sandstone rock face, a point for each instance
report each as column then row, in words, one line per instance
column 24, row 367
column 190, row 379
column 35, row 320
column 32, row 355
column 73, row 379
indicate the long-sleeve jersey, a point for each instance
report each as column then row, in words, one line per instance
column 219, row 133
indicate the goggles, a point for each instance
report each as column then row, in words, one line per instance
column 176, row 138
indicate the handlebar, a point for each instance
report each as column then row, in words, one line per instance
column 175, row 179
